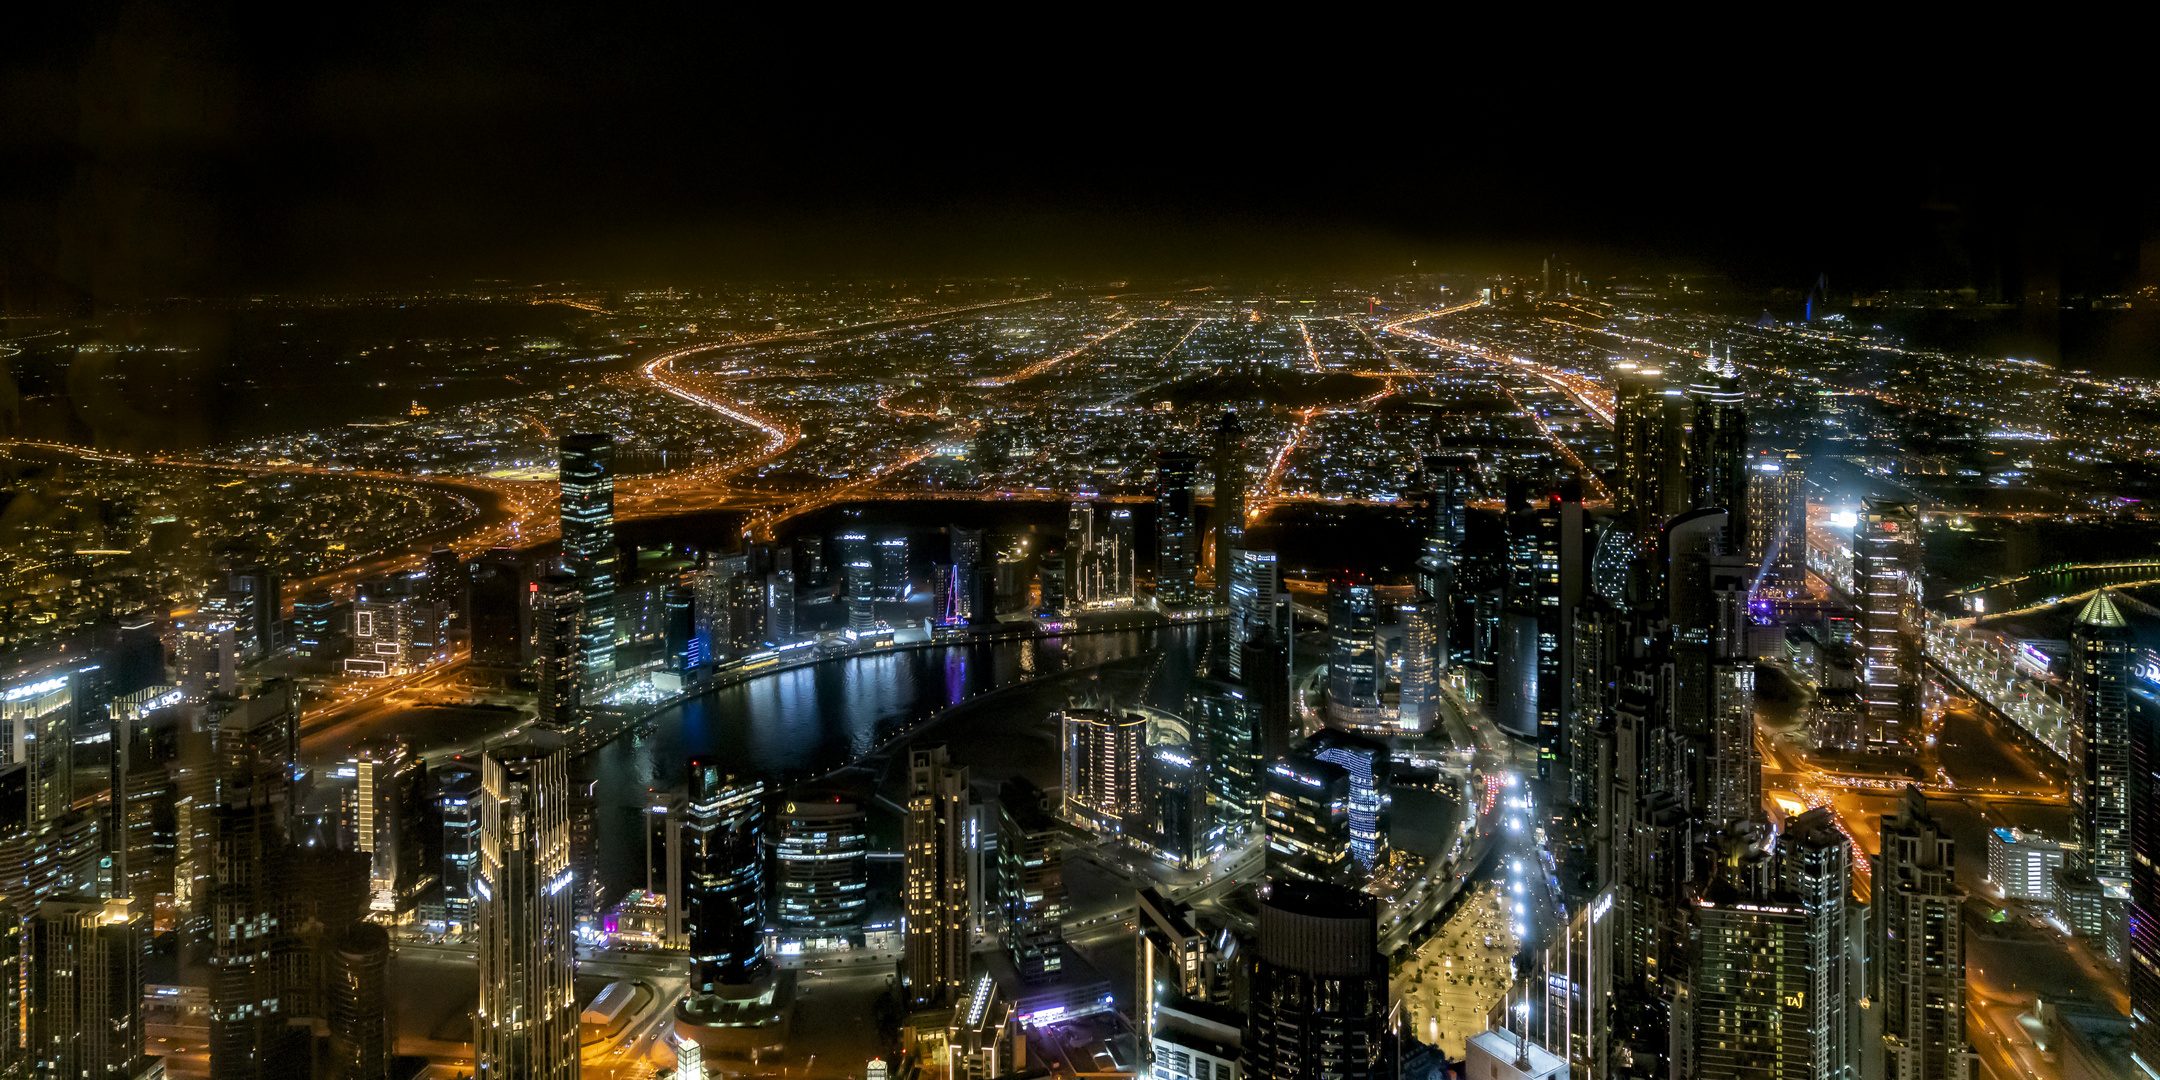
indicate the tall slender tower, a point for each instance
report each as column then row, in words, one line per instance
column 1717, row 450
column 586, row 465
column 937, row 866
column 724, row 875
column 1886, row 585
column 1177, row 543
column 1229, row 502
column 526, row 1025
column 2100, row 649
column 1917, row 944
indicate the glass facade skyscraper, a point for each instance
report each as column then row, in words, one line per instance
column 586, row 466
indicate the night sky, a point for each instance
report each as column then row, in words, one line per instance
column 156, row 148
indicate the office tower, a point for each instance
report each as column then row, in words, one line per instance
column 893, row 568
column 1545, row 582
column 1917, row 956
column 1318, row 987
column 587, row 477
column 1031, row 859
column 1265, row 673
column 971, row 601
column 1050, row 583
column 396, row 630
column 810, row 568
column 206, row 657
column 746, row 599
column 1651, row 434
column 1449, row 481
column 1119, row 551
column 1366, row 761
column 723, row 876
column 1777, row 523
column 1306, row 803
column 1255, row 588
column 1598, row 634
column 558, row 618
column 854, row 546
column 2100, row 674
column 458, row 794
column 315, row 633
column 1226, row 723
column 1180, row 818
column 1886, row 586
column 1229, row 502
column 936, row 862
column 1101, row 768
column 1354, row 664
column 779, row 598
column 245, row 593
column 526, row 1025
column 247, row 1008
column 1177, row 542
column 685, row 651
column 83, row 996
column 500, row 611
column 1717, row 450
column 861, row 597
column 362, row 1043
column 1418, row 699
column 1514, row 697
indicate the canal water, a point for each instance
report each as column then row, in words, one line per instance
column 801, row 724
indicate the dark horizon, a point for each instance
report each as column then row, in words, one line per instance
column 482, row 142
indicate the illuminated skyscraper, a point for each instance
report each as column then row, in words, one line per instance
column 526, row 1025
column 1177, row 541
column 1255, row 582
column 1101, row 774
column 1366, row 761
column 1307, row 806
column 84, row 993
column 1229, row 502
column 970, row 601
column 587, row 471
column 938, row 860
column 1916, row 947
column 1717, row 449
column 558, row 618
column 723, row 876
column 2100, row 664
column 1226, row 723
column 1886, row 586
column 1777, row 523
column 1423, row 626
column 1031, row 861
column 861, row 596
column 893, row 568
column 823, row 863
column 1353, row 655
